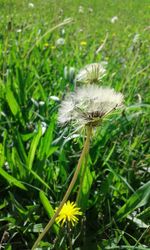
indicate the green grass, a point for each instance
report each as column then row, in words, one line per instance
column 36, row 167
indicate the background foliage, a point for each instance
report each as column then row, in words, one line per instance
column 37, row 157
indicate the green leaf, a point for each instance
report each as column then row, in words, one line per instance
column 85, row 190
column 140, row 198
column 51, row 151
column 119, row 177
column 145, row 214
column 2, row 156
column 4, row 204
column 16, row 164
column 12, row 102
column 8, row 247
column 36, row 228
column 17, row 205
column 33, row 147
column 21, row 148
column 45, row 147
column 39, row 178
column 11, row 179
column 26, row 137
column 48, row 209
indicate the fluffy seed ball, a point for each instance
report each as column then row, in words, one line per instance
column 91, row 73
column 88, row 105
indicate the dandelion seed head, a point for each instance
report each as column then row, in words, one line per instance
column 69, row 213
column 60, row 41
column 91, row 73
column 88, row 105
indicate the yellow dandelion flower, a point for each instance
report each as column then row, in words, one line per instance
column 68, row 213
column 83, row 43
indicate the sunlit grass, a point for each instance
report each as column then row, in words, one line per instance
column 37, row 157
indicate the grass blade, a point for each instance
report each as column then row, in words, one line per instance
column 11, row 179
column 138, row 199
column 48, row 209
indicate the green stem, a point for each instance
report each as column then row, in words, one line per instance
column 72, row 183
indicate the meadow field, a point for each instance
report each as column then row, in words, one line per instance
column 43, row 46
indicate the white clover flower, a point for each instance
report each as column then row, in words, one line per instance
column 88, row 105
column 91, row 73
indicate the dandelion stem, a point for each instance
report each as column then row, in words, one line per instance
column 72, row 183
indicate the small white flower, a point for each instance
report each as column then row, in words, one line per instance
column 60, row 41
column 91, row 73
column 88, row 105
column 31, row 5
column 114, row 19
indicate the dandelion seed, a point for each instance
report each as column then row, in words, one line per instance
column 69, row 213
column 88, row 105
column 91, row 73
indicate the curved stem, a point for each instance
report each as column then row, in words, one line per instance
column 72, row 183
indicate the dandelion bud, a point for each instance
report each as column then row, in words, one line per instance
column 91, row 73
